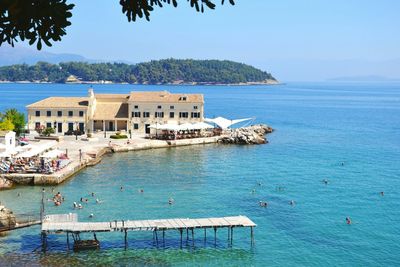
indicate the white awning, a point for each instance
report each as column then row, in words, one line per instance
column 182, row 127
column 225, row 123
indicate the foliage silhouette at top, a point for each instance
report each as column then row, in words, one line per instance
column 45, row 21
column 153, row 72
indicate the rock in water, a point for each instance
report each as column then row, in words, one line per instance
column 7, row 217
column 254, row 134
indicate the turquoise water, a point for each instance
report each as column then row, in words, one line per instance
column 318, row 126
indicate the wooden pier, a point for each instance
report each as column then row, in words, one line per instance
column 69, row 224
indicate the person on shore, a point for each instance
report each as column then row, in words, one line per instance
column 348, row 220
column 263, row 204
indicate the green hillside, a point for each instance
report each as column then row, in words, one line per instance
column 154, row 72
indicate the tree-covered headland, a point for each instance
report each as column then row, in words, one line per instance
column 166, row 71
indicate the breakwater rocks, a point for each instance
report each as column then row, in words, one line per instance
column 254, row 134
column 7, row 217
column 5, row 183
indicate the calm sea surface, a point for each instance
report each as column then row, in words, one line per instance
column 318, row 126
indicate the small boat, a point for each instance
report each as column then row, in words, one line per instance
column 86, row 245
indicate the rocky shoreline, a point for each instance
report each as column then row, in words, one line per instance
column 252, row 135
column 247, row 136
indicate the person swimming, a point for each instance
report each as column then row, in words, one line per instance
column 382, row 193
column 348, row 220
column 121, row 189
column 253, row 191
column 171, row 201
column 92, row 194
column 263, row 204
column 80, row 206
column 291, row 202
column 75, row 205
column 141, row 190
column 325, row 181
column 91, row 215
column 98, row 201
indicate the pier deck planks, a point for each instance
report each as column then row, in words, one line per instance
column 70, row 223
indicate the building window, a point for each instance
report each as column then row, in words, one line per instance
column 183, row 114
column 136, row 126
column 136, row 114
column 136, row 107
column 80, row 113
column 59, row 113
column 146, row 114
column 195, row 114
column 182, row 98
column 37, row 125
column 171, row 107
column 70, row 113
column 48, row 125
column 48, row 113
column 159, row 107
column 171, row 115
column 159, row 114
column 194, row 107
column 37, row 113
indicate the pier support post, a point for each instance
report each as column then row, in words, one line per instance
column 215, row 236
column 193, row 237
column 155, row 231
column 163, row 237
column 44, row 241
column 181, row 231
column 252, row 235
column 68, row 240
column 126, row 239
column 205, row 235
column 231, row 236
column 187, row 234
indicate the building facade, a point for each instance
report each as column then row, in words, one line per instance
column 133, row 112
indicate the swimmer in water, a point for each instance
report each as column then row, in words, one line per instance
column 121, row 189
column 291, row 202
column 141, row 190
column 263, row 204
column 80, row 206
column 92, row 194
column 325, row 181
column 75, row 205
column 91, row 215
column 253, row 191
column 382, row 193
column 171, row 201
column 98, row 201
column 259, row 183
column 342, row 163
column 348, row 220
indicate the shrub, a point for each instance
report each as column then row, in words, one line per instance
column 118, row 136
column 48, row 131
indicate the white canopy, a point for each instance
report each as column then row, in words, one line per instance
column 225, row 123
column 182, row 127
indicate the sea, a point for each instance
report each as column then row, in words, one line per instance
column 347, row 133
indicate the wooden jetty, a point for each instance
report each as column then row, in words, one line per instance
column 69, row 224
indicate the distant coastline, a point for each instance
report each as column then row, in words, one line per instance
column 267, row 82
column 157, row 72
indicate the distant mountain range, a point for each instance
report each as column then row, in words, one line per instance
column 21, row 55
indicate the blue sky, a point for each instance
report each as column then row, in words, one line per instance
column 293, row 39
